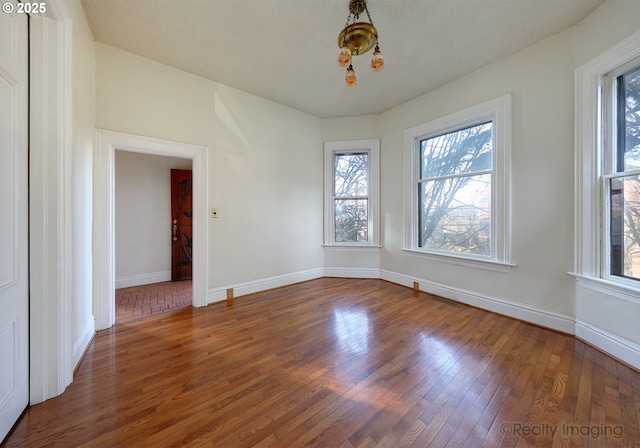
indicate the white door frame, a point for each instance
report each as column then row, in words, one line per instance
column 104, row 215
column 51, row 348
column 50, row 260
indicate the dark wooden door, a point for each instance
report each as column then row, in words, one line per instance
column 181, row 225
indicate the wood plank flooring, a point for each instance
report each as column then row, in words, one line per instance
column 338, row 363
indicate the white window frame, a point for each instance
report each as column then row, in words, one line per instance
column 498, row 111
column 609, row 152
column 372, row 148
column 590, row 204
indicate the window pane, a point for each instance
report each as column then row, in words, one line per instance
column 464, row 151
column 455, row 214
column 351, row 175
column 630, row 128
column 625, row 226
column 351, row 220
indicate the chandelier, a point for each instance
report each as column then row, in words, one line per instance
column 357, row 38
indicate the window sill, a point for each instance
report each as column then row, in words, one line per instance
column 489, row 265
column 344, row 247
column 601, row 285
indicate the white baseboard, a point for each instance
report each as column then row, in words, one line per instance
column 81, row 344
column 143, row 279
column 623, row 349
column 352, row 272
column 263, row 284
column 527, row 313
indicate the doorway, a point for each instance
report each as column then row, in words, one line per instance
column 144, row 211
column 104, row 215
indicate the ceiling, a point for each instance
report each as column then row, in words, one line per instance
column 286, row 50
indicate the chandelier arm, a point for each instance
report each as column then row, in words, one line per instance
column 368, row 15
column 370, row 21
column 345, row 26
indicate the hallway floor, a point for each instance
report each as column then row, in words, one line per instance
column 137, row 302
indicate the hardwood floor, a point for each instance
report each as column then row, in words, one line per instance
column 338, row 363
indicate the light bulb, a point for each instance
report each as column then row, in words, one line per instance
column 350, row 80
column 377, row 61
column 344, row 58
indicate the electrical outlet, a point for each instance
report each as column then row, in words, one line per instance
column 229, row 293
column 416, row 286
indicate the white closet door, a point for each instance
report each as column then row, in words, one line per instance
column 14, row 287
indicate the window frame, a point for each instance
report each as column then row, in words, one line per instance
column 497, row 111
column 608, row 150
column 372, row 148
column 592, row 126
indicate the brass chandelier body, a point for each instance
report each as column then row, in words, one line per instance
column 357, row 38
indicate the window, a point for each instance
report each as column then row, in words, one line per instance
column 454, row 190
column 457, row 186
column 621, row 173
column 607, row 160
column 351, row 192
column 351, row 197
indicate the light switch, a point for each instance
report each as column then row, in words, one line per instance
column 214, row 212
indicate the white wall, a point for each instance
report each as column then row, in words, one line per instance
column 265, row 164
column 143, row 217
column 540, row 79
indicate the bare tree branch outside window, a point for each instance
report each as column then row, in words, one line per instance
column 351, row 197
column 454, row 190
